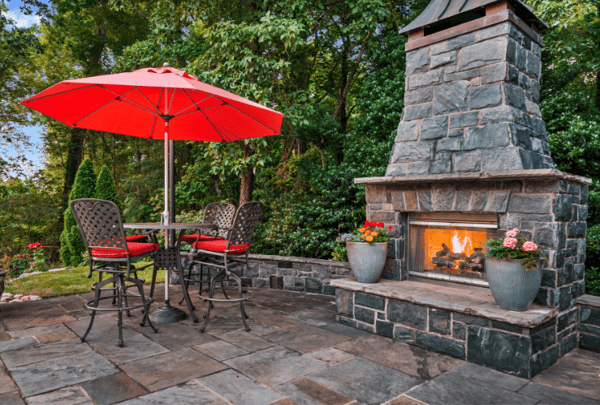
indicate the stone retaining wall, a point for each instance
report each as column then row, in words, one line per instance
column 287, row 273
column 589, row 322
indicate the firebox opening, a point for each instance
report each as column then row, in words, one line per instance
column 450, row 244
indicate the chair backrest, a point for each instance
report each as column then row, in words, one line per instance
column 220, row 214
column 100, row 223
column 246, row 219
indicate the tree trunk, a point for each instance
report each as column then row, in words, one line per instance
column 74, row 158
column 247, row 178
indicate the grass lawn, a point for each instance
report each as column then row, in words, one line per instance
column 66, row 282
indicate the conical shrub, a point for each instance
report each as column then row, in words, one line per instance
column 83, row 187
column 105, row 188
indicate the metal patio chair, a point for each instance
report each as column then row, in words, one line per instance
column 228, row 253
column 220, row 214
column 109, row 251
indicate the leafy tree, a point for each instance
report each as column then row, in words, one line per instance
column 105, row 187
column 83, row 187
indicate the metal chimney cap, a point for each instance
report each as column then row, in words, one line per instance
column 442, row 10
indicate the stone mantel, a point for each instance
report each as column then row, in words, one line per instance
column 535, row 174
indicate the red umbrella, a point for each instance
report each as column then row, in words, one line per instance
column 156, row 103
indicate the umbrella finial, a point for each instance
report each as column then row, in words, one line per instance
column 166, row 64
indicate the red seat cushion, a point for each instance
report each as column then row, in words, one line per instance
column 137, row 238
column 192, row 238
column 218, row 246
column 135, row 249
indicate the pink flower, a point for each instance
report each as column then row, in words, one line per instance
column 510, row 243
column 529, row 246
column 512, row 233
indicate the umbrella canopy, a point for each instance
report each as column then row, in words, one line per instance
column 156, row 103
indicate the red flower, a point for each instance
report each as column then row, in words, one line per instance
column 367, row 224
column 390, row 227
column 35, row 245
column 380, row 225
column 163, row 234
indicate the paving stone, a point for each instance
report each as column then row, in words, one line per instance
column 378, row 383
column 27, row 317
column 576, row 372
column 404, row 400
column 38, row 353
column 190, row 393
column 104, row 328
column 331, row 355
column 220, row 350
column 275, row 366
column 456, row 389
column 345, row 330
column 260, row 329
column 245, row 340
column 112, row 389
column 307, row 392
column 490, row 376
column 6, row 383
column 284, row 401
column 239, row 389
column 159, row 372
column 33, row 379
column 175, row 336
column 16, row 344
column 11, row 398
column 42, row 330
column 553, row 396
column 136, row 347
column 400, row 356
column 305, row 338
column 56, row 337
column 66, row 396
column 314, row 317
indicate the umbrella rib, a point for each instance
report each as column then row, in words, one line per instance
column 130, row 102
column 237, row 109
column 147, row 99
column 232, row 135
column 153, row 124
column 177, row 114
column 94, row 112
column 61, row 93
column 211, row 124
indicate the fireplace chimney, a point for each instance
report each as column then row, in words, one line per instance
column 472, row 90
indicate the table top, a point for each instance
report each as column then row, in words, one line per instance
column 160, row 225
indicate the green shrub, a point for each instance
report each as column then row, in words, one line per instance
column 105, row 188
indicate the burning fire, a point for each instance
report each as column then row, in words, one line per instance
column 459, row 241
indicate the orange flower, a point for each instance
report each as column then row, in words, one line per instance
column 367, row 232
column 361, row 230
column 369, row 238
column 374, row 233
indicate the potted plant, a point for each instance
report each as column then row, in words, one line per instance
column 513, row 270
column 367, row 251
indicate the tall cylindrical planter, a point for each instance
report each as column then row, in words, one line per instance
column 513, row 287
column 366, row 261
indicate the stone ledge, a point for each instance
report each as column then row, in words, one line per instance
column 535, row 174
column 303, row 260
column 452, row 299
column 588, row 301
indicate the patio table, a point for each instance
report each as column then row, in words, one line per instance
column 169, row 259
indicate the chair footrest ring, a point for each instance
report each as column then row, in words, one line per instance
column 90, row 304
column 250, row 295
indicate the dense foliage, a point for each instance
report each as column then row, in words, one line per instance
column 334, row 68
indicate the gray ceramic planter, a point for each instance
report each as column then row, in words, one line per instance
column 366, row 261
column 513, row 287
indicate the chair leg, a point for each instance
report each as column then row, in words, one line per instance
column 187, row 282
column 146, row 317
column 186, row 296
column 211, row 291
column 99, row 286
column 120, row 303
column 243, row 312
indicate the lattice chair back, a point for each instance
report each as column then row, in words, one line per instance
column 245, row 222
column 100, row 223
column 220, row 214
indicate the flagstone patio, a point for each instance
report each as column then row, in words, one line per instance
column 295, row 353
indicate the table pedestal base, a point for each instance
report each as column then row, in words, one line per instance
column 167, row 314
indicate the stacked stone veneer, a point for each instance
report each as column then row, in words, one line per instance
column 551, row 212
column 471, row 105
column 589, row 322
column 523, row 351
column 286, row 273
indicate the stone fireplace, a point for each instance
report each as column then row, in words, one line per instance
column 471, row 161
